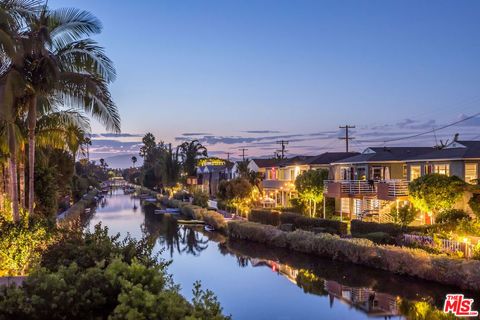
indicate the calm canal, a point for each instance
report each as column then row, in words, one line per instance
column 256, row 282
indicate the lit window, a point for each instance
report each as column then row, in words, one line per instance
column 442, row 169
column 415, row 172
column 471, row 172
column 345, row 203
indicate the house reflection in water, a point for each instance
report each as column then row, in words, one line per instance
column 374, row 304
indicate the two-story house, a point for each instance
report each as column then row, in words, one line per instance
column 365, row 186
column 279, row 175
column 460, row 158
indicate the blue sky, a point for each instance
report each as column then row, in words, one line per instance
column 291, row 68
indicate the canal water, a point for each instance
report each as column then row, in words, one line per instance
column 256, row 282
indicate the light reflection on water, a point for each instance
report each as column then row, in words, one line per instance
column 256, row 282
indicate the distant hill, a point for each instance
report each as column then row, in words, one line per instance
column 123, row 161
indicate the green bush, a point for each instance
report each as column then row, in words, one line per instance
column 21, row 244
column 452, row 216
column 216, row 220
column 194, row 212
column 306, row 223
column 414, row 262
column 474, row 204
column 358, row 227
column 113, row 279
column 200, row 199
column 265, row 217
column 378, row 237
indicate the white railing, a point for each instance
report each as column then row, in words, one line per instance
column 396, row 188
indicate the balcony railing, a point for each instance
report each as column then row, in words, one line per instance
column 384, row 189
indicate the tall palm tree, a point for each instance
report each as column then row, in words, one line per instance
column 55, row 57
column 190, row 152
column 13, row 14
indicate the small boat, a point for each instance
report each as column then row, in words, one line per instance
column 172, row 210
column 160, row 211
column 209, row 228
column 191, row 222
column 150, row 200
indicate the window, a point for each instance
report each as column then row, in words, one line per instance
column 471, row 172
column 442, row 169
column 415, row 172
column 345, row 205
column 377, row 173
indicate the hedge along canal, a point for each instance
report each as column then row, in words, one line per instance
column 462, row 273
column 255, row 281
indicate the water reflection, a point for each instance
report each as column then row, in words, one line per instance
column 245, row 275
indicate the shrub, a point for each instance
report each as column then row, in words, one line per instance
column 194, row 212
column 216, row 220
column 265, row 217
column 474, row 204
column 121, row 280
column 306, row 223
column 435, row 192
column 21, row 244
column 358, row 227
column 378, row 237
column 200, row 199
column 452, row 216
column 403, row 215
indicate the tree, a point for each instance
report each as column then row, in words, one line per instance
column 190, row 152
column 54, row 58
column 148, row 147
column 255, row 178
column 134, row 160
column 403, row 215
column 309, row 186
column 236, row 193
column 435, row 192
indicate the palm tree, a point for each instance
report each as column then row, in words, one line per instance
column 190, row 152
column 54, row 58
column 134, row 160
column 13, row 14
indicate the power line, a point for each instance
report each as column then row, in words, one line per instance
column 347, row 138
column 283, row 143
column 427, row 132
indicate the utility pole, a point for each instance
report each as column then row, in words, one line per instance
column 243, row 153
column 228, row 155
column 347, row 138
column 283, row 143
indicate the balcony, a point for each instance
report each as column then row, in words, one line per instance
column 382, row 190
column 278, row 184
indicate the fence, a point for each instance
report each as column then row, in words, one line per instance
column 448, row 246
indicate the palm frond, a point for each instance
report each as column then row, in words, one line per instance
column 86, row 56
column 90, row 94
column 70, row 24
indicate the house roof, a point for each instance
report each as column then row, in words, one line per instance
column 456, row 150
column 386, row 154
column 296, row 161
column 267, row 163
column 329, row 157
